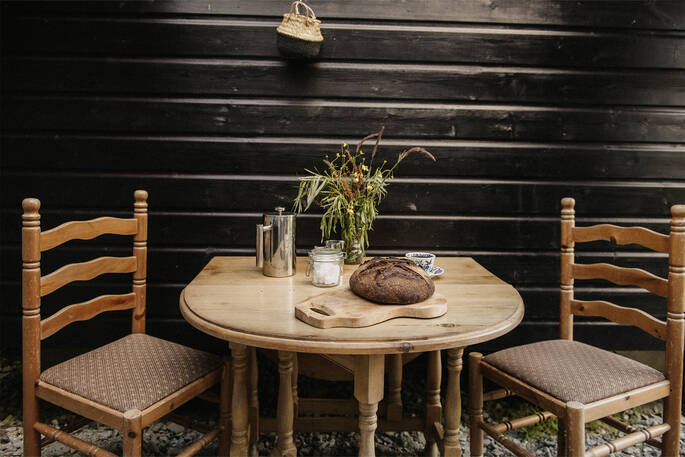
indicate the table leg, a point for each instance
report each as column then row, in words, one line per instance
column 453, row 403
column 253, row 402
column 239, row 401
column 433, row 405
column 394, row 411
column 368, row 390
column 296, row 397
column 285, row 445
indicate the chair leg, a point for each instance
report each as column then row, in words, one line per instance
column 475, row 404
column 562, row 449
column 575, row 426
column 133, row 433
column 671, row 439
column 225, row 409
column 31, row 436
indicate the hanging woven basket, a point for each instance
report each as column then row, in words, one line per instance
column 299, row 35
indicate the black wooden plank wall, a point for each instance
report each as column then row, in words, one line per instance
column 522, row 102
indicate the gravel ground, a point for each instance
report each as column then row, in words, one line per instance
column 168, row 439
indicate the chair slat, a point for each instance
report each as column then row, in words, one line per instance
column 620, row 315
column 637, row 437
column 86, row 230
column 84, row 271
column 622, row 235
column 84, row 447
column 622, row 276
column 84, row 311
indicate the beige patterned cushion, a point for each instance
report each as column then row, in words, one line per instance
column 131, row 373
column 573, row 371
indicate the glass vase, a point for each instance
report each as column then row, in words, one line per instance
column 355, row 253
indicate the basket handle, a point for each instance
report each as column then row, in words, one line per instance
column 296, row 6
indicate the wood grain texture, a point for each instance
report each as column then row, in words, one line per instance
column 623, row 235
column 86, row 230
column 221, row 301
column 342, row 308
column 413, row 196
column 633, row 14
column 84, row 311
column 418, row 119
column 263, row 78
column 71, row 441
column 273, row 155
column 622, row 276
column 345, row 40
column 620, row 315
column 85, row 271
column 522, row 104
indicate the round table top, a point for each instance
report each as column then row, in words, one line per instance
column 231, row 299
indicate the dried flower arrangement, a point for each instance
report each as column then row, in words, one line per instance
column 350, row 190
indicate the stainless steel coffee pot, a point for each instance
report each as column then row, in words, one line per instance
column 276, row 244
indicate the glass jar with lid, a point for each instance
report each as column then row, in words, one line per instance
column 325, row 266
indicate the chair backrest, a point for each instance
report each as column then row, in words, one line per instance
column 34, row 286
column 672, row 331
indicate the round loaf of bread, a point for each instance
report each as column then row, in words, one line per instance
column 391, row 281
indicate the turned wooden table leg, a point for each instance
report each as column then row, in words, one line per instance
column 433, row 405
column 394, row 400
column 453, row 403
column 285, row 445
column 253, row 402
column 368, row 390
column 296, row 397
column 239, row 411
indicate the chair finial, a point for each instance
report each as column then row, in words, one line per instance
column 678, row 210
column 140, row 196
column 30, row 205
column 568, row 203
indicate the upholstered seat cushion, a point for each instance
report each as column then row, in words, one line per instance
column 133, row 372
column 573, row 371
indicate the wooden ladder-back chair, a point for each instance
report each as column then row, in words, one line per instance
column 578, row 383
column 126, row 384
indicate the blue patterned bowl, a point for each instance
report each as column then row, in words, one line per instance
column 423, row 259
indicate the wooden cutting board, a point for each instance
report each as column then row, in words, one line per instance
column 342, row 308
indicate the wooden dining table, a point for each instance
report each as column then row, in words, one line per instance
column 231, row 299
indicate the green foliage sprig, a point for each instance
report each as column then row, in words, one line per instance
column 349, row 189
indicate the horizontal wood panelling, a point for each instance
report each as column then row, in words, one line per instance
column 173, row 265
column 243, row 77
column 249, row 193
column 345, row 41
column 326, row 117
column 237, row 230
column 260, row 155
column 522, row 103
column 440, row 233
column 664, row 14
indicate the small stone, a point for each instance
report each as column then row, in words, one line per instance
column 175, row 428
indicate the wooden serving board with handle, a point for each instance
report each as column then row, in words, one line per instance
column 342, row 308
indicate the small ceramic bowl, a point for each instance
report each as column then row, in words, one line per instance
column 423, row 259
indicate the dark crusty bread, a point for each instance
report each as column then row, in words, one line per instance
column 391, row 280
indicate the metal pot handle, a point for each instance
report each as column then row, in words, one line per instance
column 261, row 228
